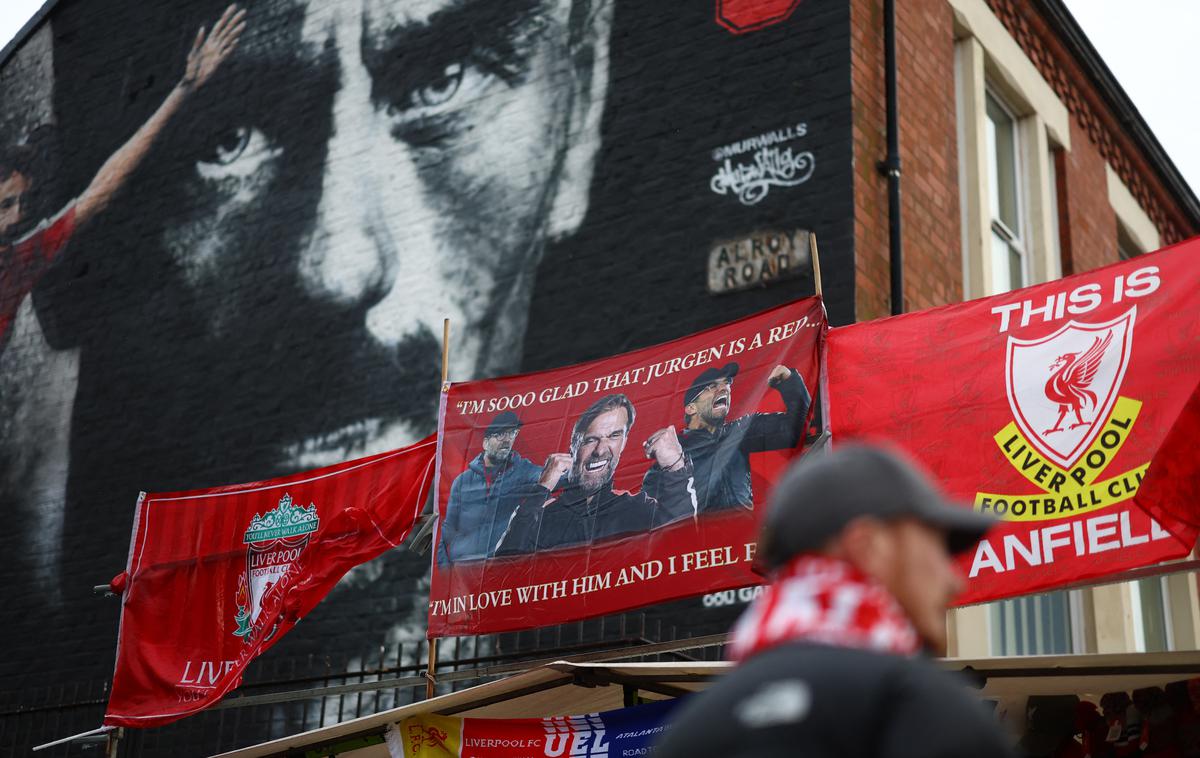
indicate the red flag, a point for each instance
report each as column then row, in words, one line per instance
column 608, row 485
column 217, row 576
column 1046, row 406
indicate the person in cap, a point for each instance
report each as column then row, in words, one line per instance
column 720, row 449
column 575, row 503
column 484, row 496
column 858, row 546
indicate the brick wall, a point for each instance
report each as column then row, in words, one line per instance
column 928, row 146
column 928, row 154
column 1087, row 214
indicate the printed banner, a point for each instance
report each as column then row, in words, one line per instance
column 217, row 576
column 618, row 483
column 1047, row 407
column 625, row 732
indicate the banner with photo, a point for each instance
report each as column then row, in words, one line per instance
column 613, row 484
column 627, row 731
column 1066, row 409
column 217, row 576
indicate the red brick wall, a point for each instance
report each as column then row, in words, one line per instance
column 928, row 155
column 1086, row 212
column 928, row 148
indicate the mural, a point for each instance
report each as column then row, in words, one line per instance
column 293, row 194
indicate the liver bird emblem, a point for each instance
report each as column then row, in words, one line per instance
column 1071, row 376
column 434, row 737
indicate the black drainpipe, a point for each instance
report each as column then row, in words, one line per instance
column 891, row 166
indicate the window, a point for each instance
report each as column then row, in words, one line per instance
column 1008, row 258
column 1009, row 126
column 1150, row 599
column 1035, row 625
column 1126, row 247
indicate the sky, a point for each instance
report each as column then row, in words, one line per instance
column 1149, row 45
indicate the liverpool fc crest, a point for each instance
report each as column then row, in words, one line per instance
column 274, row 541
column 1063, row 386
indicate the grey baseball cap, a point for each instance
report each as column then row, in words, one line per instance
column 819, row 495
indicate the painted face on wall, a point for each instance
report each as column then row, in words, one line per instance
column 401, row 161
column 13, row 190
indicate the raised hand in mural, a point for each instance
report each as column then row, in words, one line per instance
column 210, row 51
column 28, row 255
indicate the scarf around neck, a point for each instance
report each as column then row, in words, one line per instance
column 827, row 601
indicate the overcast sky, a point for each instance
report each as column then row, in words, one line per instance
column 1149, row 45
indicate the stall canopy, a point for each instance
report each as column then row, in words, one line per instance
column 564, row 688
column 555, row 689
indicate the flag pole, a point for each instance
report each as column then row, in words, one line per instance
column 816, row 260
column 431, row 669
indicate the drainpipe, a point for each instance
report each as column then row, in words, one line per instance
column 890, row 167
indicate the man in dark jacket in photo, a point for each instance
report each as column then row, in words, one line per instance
column 720, row 449
column 483, row 498
column 588, row 509
column 859, row 547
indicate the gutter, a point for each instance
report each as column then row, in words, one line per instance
column 890, row 166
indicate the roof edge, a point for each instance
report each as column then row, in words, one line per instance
column 1072, row 34
column 26, row 31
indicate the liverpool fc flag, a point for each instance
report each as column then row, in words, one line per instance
column 217, row 576
column 1067, row 410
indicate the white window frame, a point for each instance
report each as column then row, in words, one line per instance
column 1140, row 611
column 1015, row 239
column 989, row 60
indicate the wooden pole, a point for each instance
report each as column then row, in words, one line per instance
column 431, row 669
column 816, row 260
column 113, row 742
column 445, row 352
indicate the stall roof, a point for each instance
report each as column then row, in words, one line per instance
column 1083, row 675
column 555, row 689
column 564, row 688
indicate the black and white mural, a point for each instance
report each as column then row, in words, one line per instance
column 230, row 237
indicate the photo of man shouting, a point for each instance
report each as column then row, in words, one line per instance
column 720, row 450
column 588, row 509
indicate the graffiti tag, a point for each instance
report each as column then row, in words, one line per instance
column 772, row 167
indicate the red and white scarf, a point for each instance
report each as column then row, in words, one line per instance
column 823, row 600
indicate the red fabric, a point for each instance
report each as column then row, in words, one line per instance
column 217, row 576
column 22, row 263
column 711, row 551
column 823, row 600
column 1045, row 406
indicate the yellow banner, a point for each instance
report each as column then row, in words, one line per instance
column 432, row 736
column 1061, row 492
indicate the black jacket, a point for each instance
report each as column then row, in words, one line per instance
column 818, row 701
column 542, row 522
column 722, row 458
